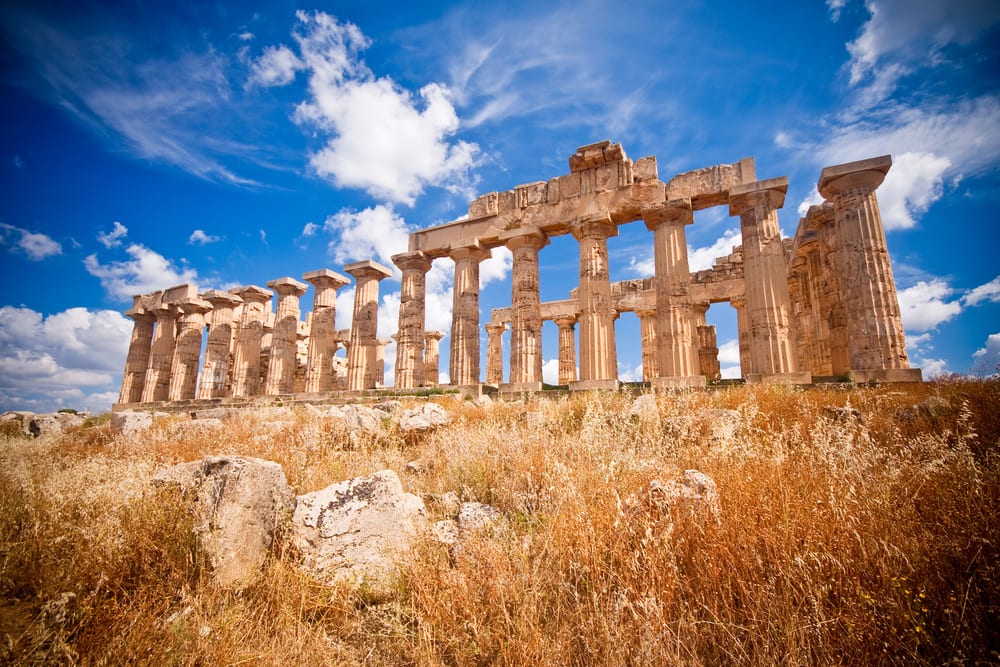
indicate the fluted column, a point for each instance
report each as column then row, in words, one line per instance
column 161, row 354
column 281, row 363
column 215, row 369
column 875, row 332
column 526, row 324
column 739, row 304
column 249, row 337
column 380, row 345
column 137, row 361
column 675, row 328
column 364, row 326
column 567, row 349
column 494, row 353
column 432, row 357
column 598, row 353
column 464, row 364
column 187, row 350
column 412, row 315
column 768, row 303
column 650, row 353
column 322, row 329
column 708, row 352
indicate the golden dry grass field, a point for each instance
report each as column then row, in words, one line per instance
column 840, row 541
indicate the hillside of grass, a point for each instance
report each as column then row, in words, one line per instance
column 857, row 526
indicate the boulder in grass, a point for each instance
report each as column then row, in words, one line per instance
column 424, row 418
column 693, row 491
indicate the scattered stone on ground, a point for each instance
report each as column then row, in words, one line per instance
column 693, row 491
column 424, row 418
column 644, row 409
column 473, row 517
column 844, row 414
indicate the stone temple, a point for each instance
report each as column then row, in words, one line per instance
column 817, row 307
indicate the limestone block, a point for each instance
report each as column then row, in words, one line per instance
column 530, row 194
column 239, row 504
column 644, row 169
column 424, row 418
column 475, row 517
column 484, row 206
column 354, row 530
column 129, row 422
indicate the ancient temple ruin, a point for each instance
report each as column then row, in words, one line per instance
column 819, row 306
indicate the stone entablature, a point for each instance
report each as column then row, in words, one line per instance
column 820, row 304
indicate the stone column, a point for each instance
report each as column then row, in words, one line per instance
column 802, row 314
column 650, row 353
column 494, row 353
column 281, row 364
column 215, row 370
column 412, row 315
column 432, row 357
column 739, row 303
column 567, row 349
column 380, row 344
column 708, row 353
column 768, row 303
column 364, row 326
column 187, row 350
column 161, row 354
column 875, row 331
column 137, row 361
column 249, row 337
column 598, row 354
column 675, row 331
column 322, row 329
column 526, row 325
column 699, row 311
column 464, row 365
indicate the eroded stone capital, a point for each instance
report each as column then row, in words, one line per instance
column 368, row 268
column 474, row 251
column 193, row 306
column 597, row 226
column 222, row 299
column 565, row 321
column 528, row 237
column 495, row 328
column 287, row 285
column 769, row 193
column 434, row 335
column 673, row 212
column 252, row 294
column 414, row 260
column 865, row 174
column 325, row 278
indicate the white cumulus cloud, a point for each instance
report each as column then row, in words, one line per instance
column 146, row 271
column 925, row 305
column 987, row 292
column 35, row 245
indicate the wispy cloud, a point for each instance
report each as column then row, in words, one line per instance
column 200, row 237
column 34, row 245
column 113, row 239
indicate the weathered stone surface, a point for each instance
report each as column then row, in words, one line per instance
column 357, row 418
column 644, row 408
column 354, row 530
column 723, row 425
column 473, row 517
column 239, row 506
column 129, row 422
column 54, row 423
column 446, row 532
column 693, row 492
column 844, row 414
column 423, row 418
column 17, row 422
column 390, row 408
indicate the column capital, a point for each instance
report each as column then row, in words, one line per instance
column 416, row 260
column 434, row 335
column 287, row 285
column 530, row 237
column 738, row 302
column 474, row 251
column 193, row 306
column 645, row 312
column 770, row 193
column 218, row 298
column 866, row 174
column 597, row 226
column 252, row 294
column 138, row 313
column 700, row 307
column 675, row 211
column 326, row 278
column 565, row 320
column 368, row 268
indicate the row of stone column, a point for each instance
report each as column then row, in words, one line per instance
column 165, row 348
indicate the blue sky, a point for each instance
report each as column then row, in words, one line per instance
column 147, row 144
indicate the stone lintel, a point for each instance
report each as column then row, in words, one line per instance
column 218, row 297
column 435, row 241
column 597, row 225
column 326, row 278
column 185, row 291
column 827, row 185
column 252, row 293
column 287, row 285
column 413, row 259
column 710, row 186
column 673, row 211
column 594, row 385
column 779, row 378
column 682, row 382
column 368, row 268
column 743, row 195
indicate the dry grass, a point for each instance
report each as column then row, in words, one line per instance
column 840, row 541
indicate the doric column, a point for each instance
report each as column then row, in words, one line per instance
column 249, row 337
column 598, row 354
column 432, row 357
column 875, row 332
column 322, row 329
column 768, row 304
column 380, row 344
column 137, row 361
column 364, row 326
column 675, row 329
column 699, row 311
column 412, row 314
column 708, row 352
column 161, row 354
column 187, row 350
column 805, row 334
column 464, row 365
column 650, row 353
column 281, row 364
column 526, row 324
column 567, row 349
column 494, row 353
column 739, row 303
column 215, row 370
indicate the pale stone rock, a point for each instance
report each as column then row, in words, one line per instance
column 20, row 420
column 423, row 418
column 352, row 531
column 446, row 503
column 693, row 491
column 644, row 408
column 844, row 414
column 473, row 517
column 54, row 423
column 390, row 408
column 446, row 532
column 359, row 418
column 239, row 505
column 723, row 425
